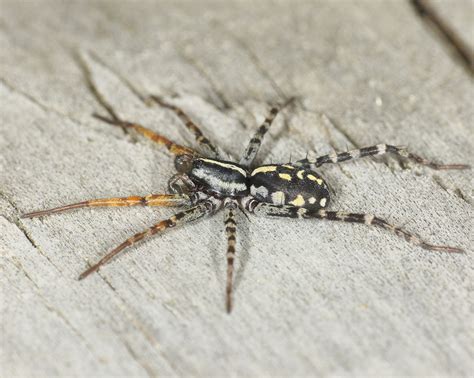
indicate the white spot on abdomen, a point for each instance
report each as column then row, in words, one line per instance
column 260, row 191
column 278, row 198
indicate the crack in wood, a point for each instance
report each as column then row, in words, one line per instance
column 16, row 222
column 47, row 109
column 449, row 36
column 38, row 103
column 138, row 325
column 343, row 131
column 136, row 357
column 256, row 61
column 51, row 308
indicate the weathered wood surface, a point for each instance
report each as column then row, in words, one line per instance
column 312, row 298
column 453, row 23
column 458, row 16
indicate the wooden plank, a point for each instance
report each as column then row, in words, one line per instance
column 312, row 298
column 460, row 15
column 453, row 23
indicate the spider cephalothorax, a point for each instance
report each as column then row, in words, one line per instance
column 219, row 178
column 204, row 184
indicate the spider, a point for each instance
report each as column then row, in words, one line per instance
column 205, row 184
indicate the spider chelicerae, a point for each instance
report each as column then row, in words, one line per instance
column 205, row 184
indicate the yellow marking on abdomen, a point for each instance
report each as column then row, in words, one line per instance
column 264, row 169
column 314, row 178
column 288, row 166
column 285, row 176
column 299, row 174
column 298, row 201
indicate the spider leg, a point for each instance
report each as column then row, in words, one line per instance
column 190, row 125
column 269, row 210
column 178, row 219
column 256, row 141
column 172, row 147
column 230, row 230
column 168, row 200
column 254, row 145
column 379, row 149
column 180, row 183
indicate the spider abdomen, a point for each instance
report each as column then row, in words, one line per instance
column 288, row 185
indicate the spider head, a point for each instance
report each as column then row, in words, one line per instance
column 183, row 163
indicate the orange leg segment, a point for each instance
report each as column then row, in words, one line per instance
column 166, row 200
column 172, row 147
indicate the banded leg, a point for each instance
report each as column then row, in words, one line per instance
column 172, row 147
column 190, row 125
column 185, row 216
column 168, row 200
column 265, row 209
column 379, row 149
column 256, row 141
column 230, row 230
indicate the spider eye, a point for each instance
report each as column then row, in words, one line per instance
column 183, row 163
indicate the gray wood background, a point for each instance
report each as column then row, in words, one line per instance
column 312, row 298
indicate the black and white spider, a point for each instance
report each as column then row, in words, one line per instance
column 206, row 184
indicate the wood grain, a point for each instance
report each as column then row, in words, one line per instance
column 312, row 298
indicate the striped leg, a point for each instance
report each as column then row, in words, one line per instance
column 172, row 147
column 168, row 200
column 379, row 149
column 265, row 209
column 230, row 230
column 256, row 141
column 190, row 125
column 185, row 216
